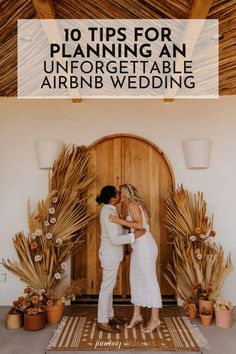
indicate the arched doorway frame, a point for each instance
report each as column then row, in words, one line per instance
column 91, row 246
column 145, row 140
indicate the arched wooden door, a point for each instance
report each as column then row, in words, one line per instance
column 121, row 159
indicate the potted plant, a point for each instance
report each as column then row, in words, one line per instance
column 54, row 310
column 190, row 307
column 55, row 300
column 15, row 316
column 34, row 310
column 206, row 317
column 223, row 313
column 206, row 303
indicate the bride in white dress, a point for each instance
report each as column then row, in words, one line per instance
column 145, row 291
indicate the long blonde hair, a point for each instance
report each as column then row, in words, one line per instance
column 131, row 193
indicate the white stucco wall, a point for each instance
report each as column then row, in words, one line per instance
column 22, row 122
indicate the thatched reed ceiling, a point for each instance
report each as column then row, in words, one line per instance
column 10, row 11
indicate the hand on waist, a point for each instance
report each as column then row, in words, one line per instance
column 139, row 232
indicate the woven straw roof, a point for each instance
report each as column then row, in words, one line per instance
column 224, row 10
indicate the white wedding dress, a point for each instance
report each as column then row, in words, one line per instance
column 145, row 290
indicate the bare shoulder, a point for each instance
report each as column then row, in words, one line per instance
column 135, row 211
column 133, row 206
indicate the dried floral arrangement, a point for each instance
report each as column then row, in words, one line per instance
column 63, row 292
column 30, row 303
column 223, row 304
column 56, row 227
column 189, row 305
column 199, row 265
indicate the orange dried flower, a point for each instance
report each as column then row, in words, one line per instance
column 31, row 311
column 186, row 305
column 198, row 230
column 41, row 309
column 34, row 245
column 35, row 299
column 212, row 233
column 209, row 289
column 34, row 311
column 26, row 303
column 192, row 306
column 202, row 293
column 50, row 303
column 205, row 219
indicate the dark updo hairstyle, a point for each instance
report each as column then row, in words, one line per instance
column 106, row 194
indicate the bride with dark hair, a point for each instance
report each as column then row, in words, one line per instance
column 145, row 290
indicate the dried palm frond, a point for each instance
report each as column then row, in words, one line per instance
column 58, row 224
column 186, row 214
column 196, row 260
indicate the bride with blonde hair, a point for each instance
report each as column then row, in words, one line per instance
column 145, row 290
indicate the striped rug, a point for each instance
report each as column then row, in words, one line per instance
column 176, row 334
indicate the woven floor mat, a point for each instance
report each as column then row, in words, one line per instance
column 80, row 333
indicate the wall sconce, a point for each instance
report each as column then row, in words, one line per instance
column 197, row 153
column 47, row 151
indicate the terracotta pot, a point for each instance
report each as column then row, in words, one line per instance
column 223, row 318
column 54, row 313
column 206, row 306
column 192, row 313
column 206, row 319
column 14, row 320
column 34, row 322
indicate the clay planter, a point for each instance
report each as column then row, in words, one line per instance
column 223, row 318
column 206, row 319
column 206, row 306
column 192, row 313
column 14, row 320
column 54, row 313
column 34, row 322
